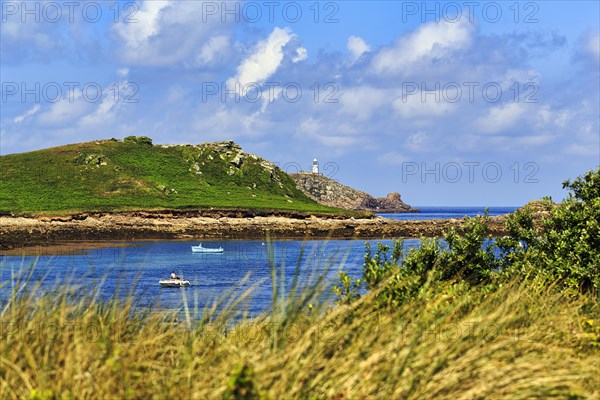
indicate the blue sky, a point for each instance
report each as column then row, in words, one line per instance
column 448, row 103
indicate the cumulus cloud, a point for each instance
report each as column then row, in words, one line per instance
column 169, row 32
column 211, row 50
column 429, row 42
column 501, row 118
column 67, row 110
column 357, row 47
column 301, row 55
column 137, row 35
column 374, row 112
column 266, row 58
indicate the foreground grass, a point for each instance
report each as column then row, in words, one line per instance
column 449, row 342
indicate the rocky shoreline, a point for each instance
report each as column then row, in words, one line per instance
column 21, row 232
column 331, row 193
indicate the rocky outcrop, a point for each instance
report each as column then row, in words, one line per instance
column 539, row 209
column 332, row 193
column 19, row 232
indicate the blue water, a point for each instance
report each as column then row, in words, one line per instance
column 449, row 212
column 139, row 266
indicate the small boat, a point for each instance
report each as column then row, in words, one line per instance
column 176, row 283
column 200, row 249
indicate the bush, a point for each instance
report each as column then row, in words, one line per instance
column 565, row 250
column 145, row 140
column 471, row 252
column 567, row 247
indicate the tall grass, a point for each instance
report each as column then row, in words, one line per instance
column 449, row 342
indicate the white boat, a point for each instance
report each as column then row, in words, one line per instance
column 200, row 249
column 174, row 283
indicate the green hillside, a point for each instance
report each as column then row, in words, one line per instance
column 133, row 174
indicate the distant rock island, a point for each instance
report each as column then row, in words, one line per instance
column 331, row 193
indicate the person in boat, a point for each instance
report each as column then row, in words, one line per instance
column 173, row 276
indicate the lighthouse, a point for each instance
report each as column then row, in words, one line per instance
column 315, row 166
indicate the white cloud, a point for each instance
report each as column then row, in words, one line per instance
column 29, row 113
column 83, row 110
column 66, row 111
column 216, row 45
column 264, row 61
column 171, row 32
column 301, row 55
column 429, row 42
column 122, row 72
column 501, row 118
column 521, row 77
column 547, row 117
column 362, row 102
column 418, row 142
column 136, row 35
column 423, row 106
column 593, row 46
column 357, row 47
column 107, row 108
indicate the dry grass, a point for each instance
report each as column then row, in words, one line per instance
column 449, row 343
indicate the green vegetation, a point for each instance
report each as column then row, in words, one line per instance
column 564, row 251
column 111, row 176
column 472, row 319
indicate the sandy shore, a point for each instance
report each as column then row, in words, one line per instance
column 66, row 248
column 91, row 231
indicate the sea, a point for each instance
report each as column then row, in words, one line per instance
column 244, row 266
column 429, row 212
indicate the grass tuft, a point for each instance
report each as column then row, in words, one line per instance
column 451, row 341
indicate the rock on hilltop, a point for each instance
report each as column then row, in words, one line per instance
column 333, row 194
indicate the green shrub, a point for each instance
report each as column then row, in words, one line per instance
column 566, row 248
column 145, row 140
column 565, row 251
column 470, row 253
column 469, row 256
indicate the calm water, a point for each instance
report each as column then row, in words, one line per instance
column 450, row 212
column 211, row 275
column 139, row 266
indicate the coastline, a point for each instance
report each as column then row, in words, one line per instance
column 95, row 229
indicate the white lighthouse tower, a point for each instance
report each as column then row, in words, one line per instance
column 315, row 166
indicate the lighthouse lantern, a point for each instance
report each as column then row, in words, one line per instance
column 315, row 166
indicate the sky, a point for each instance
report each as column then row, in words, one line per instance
column 449, row 103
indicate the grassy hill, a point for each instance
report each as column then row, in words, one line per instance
column 110, row 175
